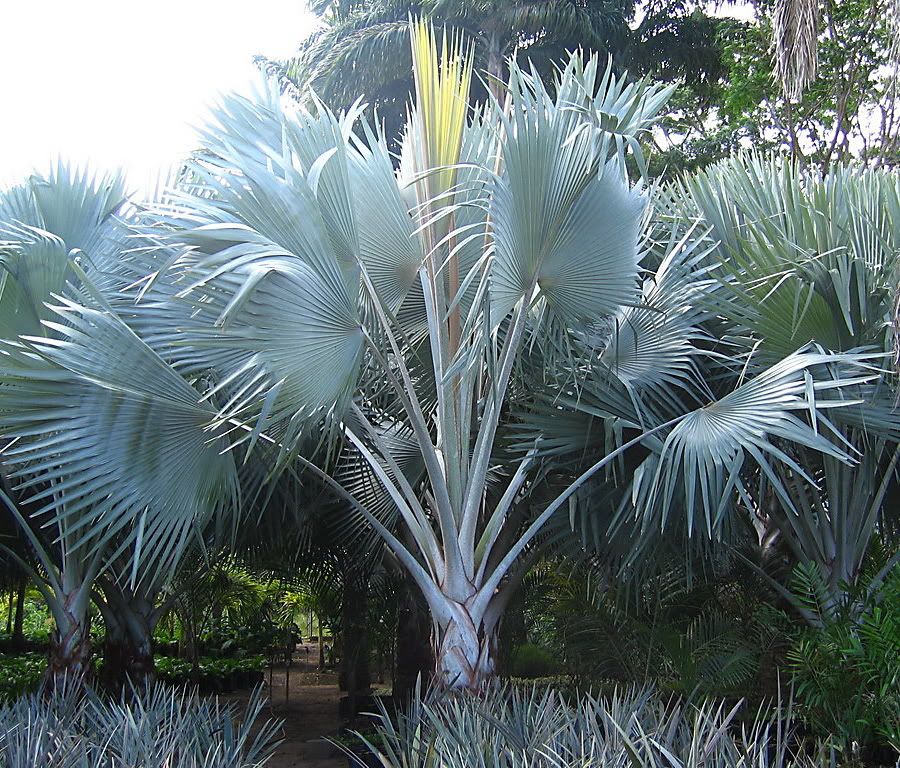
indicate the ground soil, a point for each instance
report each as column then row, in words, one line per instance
column 309, row 712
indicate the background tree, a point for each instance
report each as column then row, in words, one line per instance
column 14, row 577
column 848, row 110
column 362, row 47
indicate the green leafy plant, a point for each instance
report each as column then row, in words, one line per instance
column 20, row 674
column 686, row 636
column 533, row 661
column 212, row 673
column 846, row 666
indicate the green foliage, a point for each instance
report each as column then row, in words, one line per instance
column 161, row 727
column 36, row 620
column 671, row 40
column 531, row 661
column 224, row 609
column 839, row 115
column 535, row 727
column 20, row 674
column 848, row 111
column 213, row 672
column 708, row 635
column 846, row 668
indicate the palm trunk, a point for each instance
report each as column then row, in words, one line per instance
column 17, row 640
column 354, row 672
column 69, row 656
column 465, row 653
column 466, row 631
column 415, row 654
column 127, row 648
column 495, row 67
column 127, row 660
column 466, row 642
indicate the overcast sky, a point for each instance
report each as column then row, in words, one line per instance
column 122, row 84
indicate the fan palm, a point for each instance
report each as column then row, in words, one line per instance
column 795, row 258
column 296, row 288
column 125, row 468
column 313, row 285
column 814, row 257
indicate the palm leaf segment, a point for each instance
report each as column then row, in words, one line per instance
column 42, row 223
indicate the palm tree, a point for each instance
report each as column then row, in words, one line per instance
column 416, row 341
column 126, row 469
column 361, row 48
column 796, row 32
column 796, row 29
column 815, row 257
column 316, row 288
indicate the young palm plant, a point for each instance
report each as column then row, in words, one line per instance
column 814, row 257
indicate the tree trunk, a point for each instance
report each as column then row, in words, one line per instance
column 128, row 651
column 495, row 68
column 465, row 652
column 511, row 633
column 415, row 654
column 128, row 646
column 354, row 672
column 69, row 657
column 466, row 642
column 17, row 641
column 126, row 661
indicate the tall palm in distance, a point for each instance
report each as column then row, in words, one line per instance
column 362, row 47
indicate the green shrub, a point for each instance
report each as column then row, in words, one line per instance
column 531, row 661
column 214, row 674
column 20, row 674
column 846, row 670
column 172, row 669
column 162, row 727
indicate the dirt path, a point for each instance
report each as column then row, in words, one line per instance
column 309, row 714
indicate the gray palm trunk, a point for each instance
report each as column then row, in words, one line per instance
column 69, row 655
column 130, row 616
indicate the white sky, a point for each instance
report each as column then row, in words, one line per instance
column 118, row 83
column 123, row 84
